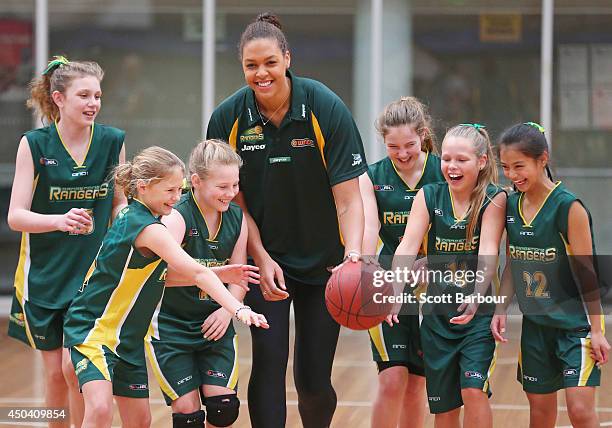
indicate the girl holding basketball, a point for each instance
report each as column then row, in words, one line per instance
column 388, row 191
column 462, row 219
column 62, row 202
column 562, row 340
column 128, row 275
column 211, row 229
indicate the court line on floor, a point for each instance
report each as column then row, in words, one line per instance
column 369, row 363
column 601, row 424
column 494, row 406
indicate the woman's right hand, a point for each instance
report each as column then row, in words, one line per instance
column 248, row 317
column 76, row 221
column 272, row 280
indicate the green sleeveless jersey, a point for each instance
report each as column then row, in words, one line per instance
column 119, row 296
column 52, row 265
column 184, row 309
column 541, row 270
column 394, row 200
column 449, row 255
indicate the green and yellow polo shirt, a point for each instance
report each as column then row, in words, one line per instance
column 288, row 172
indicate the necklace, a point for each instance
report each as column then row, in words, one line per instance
column 265, row 122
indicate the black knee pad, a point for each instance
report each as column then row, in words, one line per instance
column 188, row 420
column 222, row 409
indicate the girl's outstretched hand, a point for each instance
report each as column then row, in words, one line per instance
column 248, row 317
column 238, row 274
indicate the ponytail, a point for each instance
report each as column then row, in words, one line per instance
column 58, row 76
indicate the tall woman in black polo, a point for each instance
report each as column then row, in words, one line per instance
column 302, row 158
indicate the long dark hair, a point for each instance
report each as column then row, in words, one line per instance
column 529, row 139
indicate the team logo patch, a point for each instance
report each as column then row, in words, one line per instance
column 214, row 373
column 194, row 232
column 48, row 162
column 570, row 372
column 252, row 135
column 185, row 379
column 356, row 159
column 510, row 219
column 138, row 387
column 458, row 225
column 81, row 366
column 283, row 159
column 302, row 142
column 383, row 188
column 17, row 318
column 438, row 212
column 473, row 374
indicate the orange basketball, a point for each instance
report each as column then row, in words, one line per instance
column 352, row 299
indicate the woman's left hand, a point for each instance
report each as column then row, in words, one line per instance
column 350, row 257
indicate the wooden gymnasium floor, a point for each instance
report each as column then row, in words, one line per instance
column 354, row 378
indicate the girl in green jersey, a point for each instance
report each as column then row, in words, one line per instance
column 550, row 269
column 108, row 320
column 62, row 202
column 388, row 190
column 192, row 369
column 462, row 218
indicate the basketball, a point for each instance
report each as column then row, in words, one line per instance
column 350, row 296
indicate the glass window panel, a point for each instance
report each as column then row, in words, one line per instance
column 16, row 63
column 152, row 84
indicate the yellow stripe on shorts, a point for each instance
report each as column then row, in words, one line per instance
column 233, row 379
column 95, row 354
column 588, row 363
column 377, row 336
column 485, row 388
column 161, row 379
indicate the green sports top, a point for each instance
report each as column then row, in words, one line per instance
column 120, row 293
column 449, row 253
column 539, row 253
column 184, row 309
column 288, row 172
column 394, row 200
column 52, row 265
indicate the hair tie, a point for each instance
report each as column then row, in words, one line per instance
column 536, row 126
column 477, row 126
column 55, row 63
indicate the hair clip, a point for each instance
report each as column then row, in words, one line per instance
column 474, row 125
column 55, row 63
column 536, row 126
